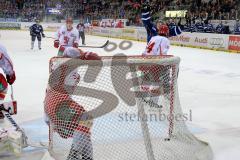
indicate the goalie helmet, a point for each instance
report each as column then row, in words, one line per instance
column 163, row 30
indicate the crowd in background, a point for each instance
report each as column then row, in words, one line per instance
column 200, row 12
column 27, row 10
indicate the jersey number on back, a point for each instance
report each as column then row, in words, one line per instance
column 150, row 47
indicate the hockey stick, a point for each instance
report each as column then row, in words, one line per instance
column 146, row 99
column 25, row 142
column 12, row 97
column 49, row 37
column 102, row 46
column 85, row 46
column 17, row 127
column 12, row 121
column 151, row 103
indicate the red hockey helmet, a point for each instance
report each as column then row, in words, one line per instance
column 163, row 30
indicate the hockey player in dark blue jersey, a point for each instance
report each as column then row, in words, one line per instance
column 208, row 28
column 237, row 27
column 220, row 28
column 36, row 30
column 152, row 29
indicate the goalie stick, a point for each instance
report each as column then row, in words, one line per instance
column 7, row 111
column 17, row 128
column 25, row 142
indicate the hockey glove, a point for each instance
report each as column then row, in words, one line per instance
column 11, row 78
column 75, row 45
column 43, row 35
column 145, row 8
column 32, row 33
column 56, row 43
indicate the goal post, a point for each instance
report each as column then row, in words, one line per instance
column 118, row 108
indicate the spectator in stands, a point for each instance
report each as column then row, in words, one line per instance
column 237, row 27
column 220, row 28
column 226, row 29
column 198, row 10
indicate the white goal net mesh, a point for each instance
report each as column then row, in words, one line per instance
column 119, row 108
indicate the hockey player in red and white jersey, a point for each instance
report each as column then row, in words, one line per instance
column 81, row 145
column 67, row 36
column 72, row 52
column 159, row 44
column 7, row 66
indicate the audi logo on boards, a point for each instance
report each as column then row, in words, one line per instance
column 216, row 42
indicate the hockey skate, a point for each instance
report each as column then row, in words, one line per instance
column 39, row 45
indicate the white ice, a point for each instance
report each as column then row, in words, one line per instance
column 209, row 85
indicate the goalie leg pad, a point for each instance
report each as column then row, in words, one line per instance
column 11, row 141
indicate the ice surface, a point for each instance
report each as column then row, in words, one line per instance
column 209, row 86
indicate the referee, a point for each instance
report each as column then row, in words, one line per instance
column 80, row 28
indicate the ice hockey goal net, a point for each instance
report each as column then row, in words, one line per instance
column 119, row 108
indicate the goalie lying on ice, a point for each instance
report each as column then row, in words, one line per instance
column 65, row 114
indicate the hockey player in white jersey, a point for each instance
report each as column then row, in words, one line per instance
column 159, row 44
column 72, row 52
column 7, row 67
column 66, row 36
